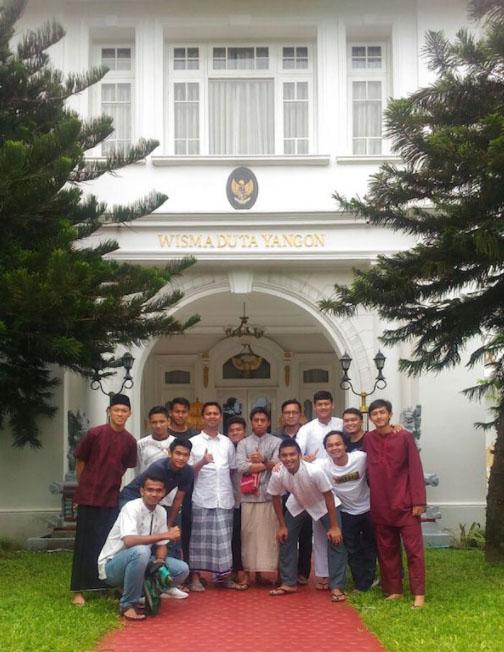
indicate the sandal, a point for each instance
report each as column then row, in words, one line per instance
column 196, row 587
column 338, row 597
column 322, row 585
column 132, row 613
column 282, row 590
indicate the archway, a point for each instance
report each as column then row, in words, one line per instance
column 286, row 306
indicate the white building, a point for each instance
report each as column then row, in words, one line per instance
column 294, row 92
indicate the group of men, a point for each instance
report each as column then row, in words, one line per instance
column 247, row 506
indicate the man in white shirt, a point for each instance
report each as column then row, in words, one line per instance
column 347, row 474
column 128, row 548
column 310, row 438
column 310, row 496
column 154, row 446
column 213, row 460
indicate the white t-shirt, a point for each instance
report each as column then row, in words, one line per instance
column 349, row 482
column 306, row 487
column 150, row 450
column 212, row 485
column 310, row 437
column 134, row 518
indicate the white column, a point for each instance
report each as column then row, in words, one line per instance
column 149, row 81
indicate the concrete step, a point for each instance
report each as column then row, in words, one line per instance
column 49, row 542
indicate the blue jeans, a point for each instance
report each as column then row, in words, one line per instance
column 127, row 569
column 336, row 554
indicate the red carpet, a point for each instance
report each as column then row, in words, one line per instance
column 232, row 621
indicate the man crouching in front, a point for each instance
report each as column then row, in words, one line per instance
column 140, row 525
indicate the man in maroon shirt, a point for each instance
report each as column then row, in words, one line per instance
column 397, row 487
column 103, row 456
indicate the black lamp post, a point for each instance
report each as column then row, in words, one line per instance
column 346, row 383
column 125, row 361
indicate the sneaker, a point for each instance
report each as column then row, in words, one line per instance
column 175, row 593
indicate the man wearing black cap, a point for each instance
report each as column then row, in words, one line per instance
column 102, row 457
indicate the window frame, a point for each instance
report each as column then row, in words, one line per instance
column 205, row 73
column 382, row 75
column 113, row 77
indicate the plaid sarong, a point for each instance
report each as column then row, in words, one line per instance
column 210, row 547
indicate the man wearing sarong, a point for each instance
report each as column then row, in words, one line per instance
column 310, row 496
column 258, row 453
column 102, row 457
column 397, row 487
column 213, row 460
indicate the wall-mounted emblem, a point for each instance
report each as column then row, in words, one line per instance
column 242, row 188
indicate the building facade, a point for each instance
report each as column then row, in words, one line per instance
column 262, row 111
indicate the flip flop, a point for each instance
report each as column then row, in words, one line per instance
column 322, row 586
column 282, row 591
column 302, row 580
column 338, row 597
column 196, row 587
column 138, row 615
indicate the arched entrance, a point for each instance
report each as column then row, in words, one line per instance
column 301, row 347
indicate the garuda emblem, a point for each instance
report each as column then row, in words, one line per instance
column 242, row 188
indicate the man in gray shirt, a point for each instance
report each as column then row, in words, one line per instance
column 258, row 454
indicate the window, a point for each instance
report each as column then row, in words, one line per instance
column 186, row 58
column 296, row 108
column 315, row 376
column 367, row 78
column 186, row 109
column 240, row 58
column 295, row 58
column 177, row 377
column 116, row 96
column 228, row 100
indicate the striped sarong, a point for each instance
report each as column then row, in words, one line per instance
column 210, row 547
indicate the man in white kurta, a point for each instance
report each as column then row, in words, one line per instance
column 310, row 496
column 310, row 438
column 213, row 460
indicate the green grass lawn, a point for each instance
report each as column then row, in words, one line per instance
column 35, row 608
column 464, row 610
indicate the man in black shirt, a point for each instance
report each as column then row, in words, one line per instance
column 353, row 423
column 175, row 473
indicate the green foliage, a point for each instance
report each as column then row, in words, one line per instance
column 463, row 608
column 449, row 195
column 474, row 537
column 61, row 302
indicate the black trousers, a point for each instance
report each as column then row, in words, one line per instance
column 236, row 540
column 186, row 521
column 93, row 527
column 305, row 545
column 360, row 542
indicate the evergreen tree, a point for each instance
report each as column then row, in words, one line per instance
column 61, row 301
column 449, row 195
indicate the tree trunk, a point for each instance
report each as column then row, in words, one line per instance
column 494, row 546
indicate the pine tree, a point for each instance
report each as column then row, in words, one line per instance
column 61, row 301
column 449, row 195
